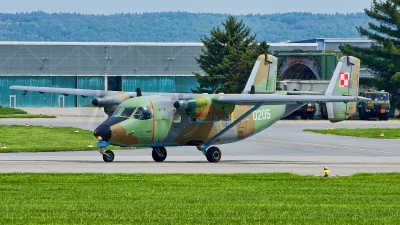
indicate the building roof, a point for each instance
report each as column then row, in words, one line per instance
column 336, row 40
column 102, row 43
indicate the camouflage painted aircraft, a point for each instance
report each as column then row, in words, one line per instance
column 157, row 120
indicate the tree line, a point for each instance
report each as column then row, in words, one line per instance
column 172, row 26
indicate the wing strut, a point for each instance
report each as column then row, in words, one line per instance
column 212, row 139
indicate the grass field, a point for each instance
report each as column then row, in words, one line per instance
column 19, row 138
column 199, row 199
column 6, row 112
column 388, row 133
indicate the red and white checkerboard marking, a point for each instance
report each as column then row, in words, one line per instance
column 344, row 79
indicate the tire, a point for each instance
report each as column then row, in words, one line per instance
column 323, row 116
column 360, row 115
column 108, row 156
column 384, row 117
column 160, row 156
column 213, row 154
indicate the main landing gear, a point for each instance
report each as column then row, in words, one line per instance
column 213, row 154
column 159, row 154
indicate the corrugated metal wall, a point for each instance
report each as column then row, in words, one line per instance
column 34, row 99
column 154, row 68
column 177, row 84
column 53, row 59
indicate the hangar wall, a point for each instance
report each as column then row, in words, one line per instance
column 154, row 67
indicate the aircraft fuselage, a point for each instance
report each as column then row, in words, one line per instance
column 169, row 126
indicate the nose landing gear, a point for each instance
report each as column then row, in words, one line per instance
column 108, row 155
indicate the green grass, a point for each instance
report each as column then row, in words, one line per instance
column 389, row 133
column 19, row 138
column 6, row 112
column 199, row 199
column 26, row 116
column 10, row 111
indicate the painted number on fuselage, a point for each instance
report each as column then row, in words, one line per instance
column 261, row 114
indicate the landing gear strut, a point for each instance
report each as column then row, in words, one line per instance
column 108, row 156
column 159, row 154
column 213, row 154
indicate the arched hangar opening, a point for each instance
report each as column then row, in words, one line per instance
column 299, row 71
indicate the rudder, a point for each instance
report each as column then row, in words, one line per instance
column 344, row 82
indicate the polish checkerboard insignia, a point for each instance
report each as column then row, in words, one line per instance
column 344, row 79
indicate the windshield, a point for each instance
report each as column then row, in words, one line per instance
column 377, row 96
column 124, row 112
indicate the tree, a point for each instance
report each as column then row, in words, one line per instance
column 228, row 57
column 383, row 58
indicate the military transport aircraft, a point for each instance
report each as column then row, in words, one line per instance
column 157, row 120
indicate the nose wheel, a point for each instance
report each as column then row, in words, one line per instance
column 108, row 156
column 159, row 154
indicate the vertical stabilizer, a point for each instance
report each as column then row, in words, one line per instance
column 264, row 74
column 344, row 82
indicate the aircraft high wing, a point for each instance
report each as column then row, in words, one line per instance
column 67, row 91
column 157, row 120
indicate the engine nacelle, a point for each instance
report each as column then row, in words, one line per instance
column 204, row 109
column 110, row 103
column 111, row 100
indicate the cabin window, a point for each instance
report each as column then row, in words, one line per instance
column 177, row 118
column 143, row 113
column 228, row 118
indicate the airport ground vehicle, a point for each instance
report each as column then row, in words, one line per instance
column 379, row 106
column 307, row 111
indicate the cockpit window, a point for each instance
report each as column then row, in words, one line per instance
column 127, row 112
column 117, row 111
column 143, row 113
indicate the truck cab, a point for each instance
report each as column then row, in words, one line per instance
column 378, row 107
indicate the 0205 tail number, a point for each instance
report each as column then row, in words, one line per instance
column 261, row 114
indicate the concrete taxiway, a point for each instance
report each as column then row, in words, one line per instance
column 283, row 147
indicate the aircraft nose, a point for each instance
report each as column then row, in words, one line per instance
column 102, row 132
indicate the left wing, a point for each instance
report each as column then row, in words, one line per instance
column 67, row 91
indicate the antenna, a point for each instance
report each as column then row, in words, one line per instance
column 138, row 92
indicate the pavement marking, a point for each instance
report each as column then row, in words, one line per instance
column 330, row 146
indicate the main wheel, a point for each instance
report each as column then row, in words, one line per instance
column 213, row 154
column 108, row 156
column 384, row 116
column 159, row 154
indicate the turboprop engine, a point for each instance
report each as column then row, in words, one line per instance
column 111, row 102
column 204, row 109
